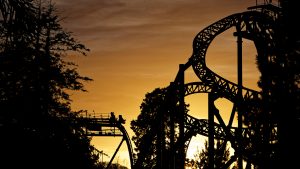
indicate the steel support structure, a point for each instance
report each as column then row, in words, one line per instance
column 115, row 153
column 256, row 25
column 181, row 115
column 239, row 92
column 171, row 164
column 211, row 131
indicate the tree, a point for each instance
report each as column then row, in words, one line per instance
column 36, row 121
column 152, row 130
column 145, row 128
column 221, row 156
column 113, row 166
column 279, row 66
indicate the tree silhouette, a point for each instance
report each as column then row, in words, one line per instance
column 221, row 156
column 36, row 121
column 279, row 83
column 152, row 130
column 112, row 166
column 145, row 128
column 287, row 86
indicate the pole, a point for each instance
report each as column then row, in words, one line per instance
column 211, row 160
column 111, row 160
column 181, row 116
column 172, row 127
column 240, row 93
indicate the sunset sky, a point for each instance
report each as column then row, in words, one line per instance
column 137, row 46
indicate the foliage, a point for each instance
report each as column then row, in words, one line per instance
column 36, row 120
column 145, row 128
column 152, row 130
column 200, row 161
column 278, row 62
column 112, row 166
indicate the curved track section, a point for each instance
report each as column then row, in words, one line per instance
column 128, row 143
column 247, row 20
column 107, row 126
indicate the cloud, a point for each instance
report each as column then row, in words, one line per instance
column 110, row 23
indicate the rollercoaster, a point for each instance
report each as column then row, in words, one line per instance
column 258, row 24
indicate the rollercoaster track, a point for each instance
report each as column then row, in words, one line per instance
column 200, row 45
column 200, row 126
column 95, row 124
column 195, row 126
column 212, row 82
column 254, row 24
column 128, row 142
column 196, row 87
column 257, row 26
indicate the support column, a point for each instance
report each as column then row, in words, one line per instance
column 172, row 128
column 239, row 93
column 113, row 157
column 211, row 138
column 181, row 116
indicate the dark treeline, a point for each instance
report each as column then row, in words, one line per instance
column 34, row 80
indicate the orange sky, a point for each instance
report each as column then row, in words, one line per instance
column 137, row 46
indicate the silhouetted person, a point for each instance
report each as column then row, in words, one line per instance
column 112, row 118
column 121, row 120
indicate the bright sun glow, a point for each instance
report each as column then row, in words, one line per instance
column 196, row 145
